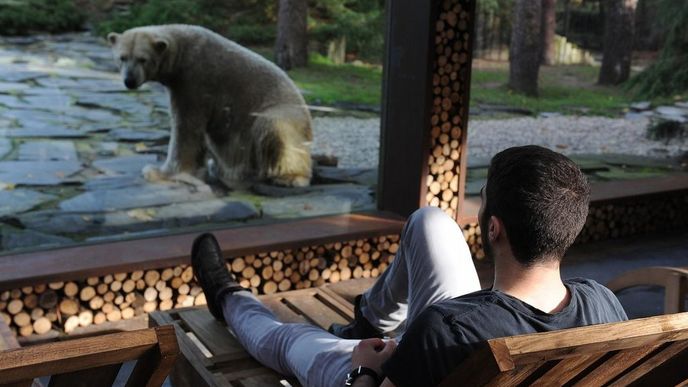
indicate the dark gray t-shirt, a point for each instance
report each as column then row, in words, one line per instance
column 445, row 333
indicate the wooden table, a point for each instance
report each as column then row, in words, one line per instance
column 211, row 356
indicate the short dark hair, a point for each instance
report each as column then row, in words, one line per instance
column 542, row 198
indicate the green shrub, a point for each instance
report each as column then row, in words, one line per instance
column 246, row 21
column 21, row 17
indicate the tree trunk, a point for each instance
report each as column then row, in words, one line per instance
column 526, row 47
column 549, row 24
column 291, row 47
column 619, row 26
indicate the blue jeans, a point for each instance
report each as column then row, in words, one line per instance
column 433, row 263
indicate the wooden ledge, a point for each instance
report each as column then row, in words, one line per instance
column 79, row 262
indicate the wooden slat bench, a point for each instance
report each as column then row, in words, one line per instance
column 93, row 361
column 674, row 280
column 653, row 350
column 213, row 357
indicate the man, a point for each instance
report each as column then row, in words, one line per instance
column 534, row 204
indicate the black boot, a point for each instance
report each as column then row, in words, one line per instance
column 360, row 328
column 211, row 273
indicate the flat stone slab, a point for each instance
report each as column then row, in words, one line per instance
column 12, row 87
column 137, row 135
column 335, row 199
column 363, row 176
column 5, row 147
column 121, row 102
column 21, row 200
column 640, row 106
column 39, row 172
column 52, row 132
column 8, row 74
column 15, row 239
column 670, row 111
column 139, row 219
column 13, row 102
column 39, row 119
column 149, row 195
column 47, row 150
column 125, row 165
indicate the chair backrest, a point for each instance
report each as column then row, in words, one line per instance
column 649, row 351
column 94, row 361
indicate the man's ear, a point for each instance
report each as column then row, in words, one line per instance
column 160, row 45
column 112, row 37
column 494, row 228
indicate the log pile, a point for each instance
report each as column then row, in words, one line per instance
column 450, row 83
column 65, row 306
column 471, row 232
column 635, row 216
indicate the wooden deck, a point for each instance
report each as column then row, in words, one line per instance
column 211, row 356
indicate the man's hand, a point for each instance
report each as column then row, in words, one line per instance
column 372, row 353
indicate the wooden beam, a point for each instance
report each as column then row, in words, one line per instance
column 406, row 101
column 74, row 263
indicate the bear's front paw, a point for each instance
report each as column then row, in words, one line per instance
column 154, row 173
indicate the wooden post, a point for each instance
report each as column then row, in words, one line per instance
column 428, row 57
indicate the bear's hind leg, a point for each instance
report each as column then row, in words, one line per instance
column 282, row 152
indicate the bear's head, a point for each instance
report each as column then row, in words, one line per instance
column 139, row 55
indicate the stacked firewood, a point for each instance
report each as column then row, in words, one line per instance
column 471, row 232
column 449, row 91
column 68, row 305
column 114, row 297
column 635, row 216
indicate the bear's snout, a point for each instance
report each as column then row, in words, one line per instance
column 130, row 83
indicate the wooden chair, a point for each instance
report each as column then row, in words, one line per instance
column 674, row 280
column 93, row 361
column 647, row 352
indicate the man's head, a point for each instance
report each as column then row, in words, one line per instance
column 139, row 53
column 537, row 199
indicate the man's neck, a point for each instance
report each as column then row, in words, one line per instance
column 539, row 285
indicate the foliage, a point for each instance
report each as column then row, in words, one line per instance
column 669, row 74
column 246, row 21
column 20, row 17
column 361, row 22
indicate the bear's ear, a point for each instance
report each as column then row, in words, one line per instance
column 160, row 45
column 112, row 38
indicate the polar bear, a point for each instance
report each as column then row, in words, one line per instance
column 224, row 99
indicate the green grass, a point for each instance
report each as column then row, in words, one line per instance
column 325, row 83
column 563, row 89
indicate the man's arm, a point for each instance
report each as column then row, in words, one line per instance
column 371, row 353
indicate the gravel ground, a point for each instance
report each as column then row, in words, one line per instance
column 570, row 135
column 355, row 141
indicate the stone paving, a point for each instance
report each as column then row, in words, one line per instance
column 73, row 142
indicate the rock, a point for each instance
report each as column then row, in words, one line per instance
column 47, row 150
column 12, row 75
column 12, row 87
column 148, row 195
column 682, row 104
column 39, row 172
column 641, row 106
column 139, row 219
column 12, row 102
column 113, row 182
column 15, row 239
column 58, row 103
column 21, row 200
column 126, row 165
column 5, row 147
column 670, row 111
column 363, row 176
column 54, row 132
column 123, row 103
column 331, row 200
column 131, row 135
column 549, row 114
